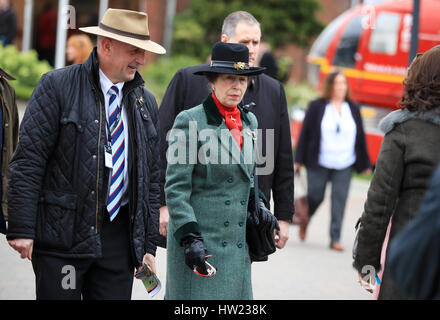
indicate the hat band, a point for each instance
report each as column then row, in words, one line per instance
column 6, row 75
column 239, row 66
column 124, row 33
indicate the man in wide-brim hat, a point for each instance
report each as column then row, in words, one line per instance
column 84, row 183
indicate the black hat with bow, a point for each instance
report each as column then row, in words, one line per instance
column 229, row 58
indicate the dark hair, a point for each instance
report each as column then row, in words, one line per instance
column 211, row 76
column 421, row 87
column 329, row 82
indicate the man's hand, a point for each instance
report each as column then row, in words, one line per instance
column 163, row 220
column 23, row 246
column 282, row 236
column 150, row 260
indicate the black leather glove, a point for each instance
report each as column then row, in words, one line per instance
column 195, row 252
column 263, row 215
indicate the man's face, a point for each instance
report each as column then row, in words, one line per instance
column 124, row 60
column 248, row 35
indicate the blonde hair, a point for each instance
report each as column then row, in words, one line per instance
column 83, row 45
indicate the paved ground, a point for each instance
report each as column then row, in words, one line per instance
column 302, row 270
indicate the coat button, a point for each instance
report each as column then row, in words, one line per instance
column 224, row 243
column 243, row 202
column 239, row 245
column 241, row 223
column 94, row 157
column 230, row 179
column 6, row 125
column 227, row 202
column 96, row 121
column 226, row 223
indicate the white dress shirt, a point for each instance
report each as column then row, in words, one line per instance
column 106, row 84
column 337, row 148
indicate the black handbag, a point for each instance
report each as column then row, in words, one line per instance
column 260, row 223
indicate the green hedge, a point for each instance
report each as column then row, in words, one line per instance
column 298, row 95
column 25, row 67
column 158, row 74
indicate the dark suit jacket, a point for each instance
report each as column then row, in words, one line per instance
column 307, row 151
column 187, row 90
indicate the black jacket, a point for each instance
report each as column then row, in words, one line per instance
column 8, row 25
column 414, row 254
column 307, row 151
column 58, row 181
column 187, row 90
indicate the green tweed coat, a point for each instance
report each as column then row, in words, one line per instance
column 207, row 191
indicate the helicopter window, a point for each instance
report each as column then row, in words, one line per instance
column 319, row 48
column 348, row 45
column 384, row 37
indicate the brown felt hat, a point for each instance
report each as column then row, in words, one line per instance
column 126, row 26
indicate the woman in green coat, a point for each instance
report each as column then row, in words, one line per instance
column 208, row 183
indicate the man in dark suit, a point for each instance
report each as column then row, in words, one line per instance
column 187, row 90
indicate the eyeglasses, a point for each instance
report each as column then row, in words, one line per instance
column 211, row 271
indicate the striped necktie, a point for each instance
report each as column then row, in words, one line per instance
column 118, row 154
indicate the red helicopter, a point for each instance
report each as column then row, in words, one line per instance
column 371, row 43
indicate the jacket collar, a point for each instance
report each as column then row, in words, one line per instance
column 92, row 66
column 213, row 115
column 399, row 116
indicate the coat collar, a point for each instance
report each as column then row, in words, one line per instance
column 399, row 116
column 213, row 115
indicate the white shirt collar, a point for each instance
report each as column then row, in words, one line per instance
column 106, row 83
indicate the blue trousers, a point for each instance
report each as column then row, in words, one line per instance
column 340, row 183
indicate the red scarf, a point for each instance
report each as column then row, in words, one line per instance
column 232, row 119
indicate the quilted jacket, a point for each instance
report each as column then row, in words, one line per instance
column 58, row 181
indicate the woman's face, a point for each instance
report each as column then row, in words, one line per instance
column 230, row 88
column 71, row 53
column 340, row 87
